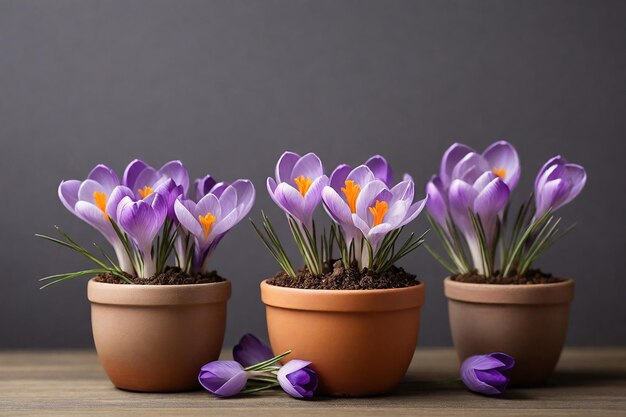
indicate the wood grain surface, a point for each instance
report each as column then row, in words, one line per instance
column 588, row 382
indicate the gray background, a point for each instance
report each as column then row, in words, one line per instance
column 227, row 86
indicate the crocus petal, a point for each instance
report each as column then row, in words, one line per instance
column 336, row 207
column 228, row 200
column 552, row 194
column 450, row 159
column 404, row 190
column 461, row 198
column 149, row 177
column 251, row 350
column 339, row 176
column 140, row 220
column 366, row 197
column 105, row 176
column 93, row 216
column 381, row 169
column 550, row 164
column 246, row 195
column 492, row 199
column 208, row 204
column 309, row 166
column 290, row 200
column 313, row 196
column 223, row 378
column 203, row 186
column 577, row 177
column 132, row 171
column 114, row 199
column 176, row 171
column 361, row 175
column 414, row 211
column 218, row 189
column 298, row 386
column 470, row 168
column 68, row 193
column 437, row 204
column 502, row 155
column 184, row 214
column 285, row 165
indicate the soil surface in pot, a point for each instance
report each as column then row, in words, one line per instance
column 171, row 276
column 533, row 276
column 336, row 277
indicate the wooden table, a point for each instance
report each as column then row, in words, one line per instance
column 588, row 382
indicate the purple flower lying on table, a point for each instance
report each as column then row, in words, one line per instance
column 298, row 379
column 487, row 374
column 256, row 369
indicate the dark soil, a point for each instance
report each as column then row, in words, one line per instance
column 171, row 276
column 336, row 277
column 534, row 276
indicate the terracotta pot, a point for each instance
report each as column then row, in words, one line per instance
column 155, row 338
column 528, row 322
column 360, row 341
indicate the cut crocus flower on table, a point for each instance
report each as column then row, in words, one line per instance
column 256, row 369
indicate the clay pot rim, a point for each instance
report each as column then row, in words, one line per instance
column 343, row 300
column 553, row 293
column 151, row 295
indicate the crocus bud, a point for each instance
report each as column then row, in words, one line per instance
column 251, row 350
column 223, row 378
column 297, row 379
column 557, row 183
column 487, row 374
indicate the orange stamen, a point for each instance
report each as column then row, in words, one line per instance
column 206, row 222
column 303, row 183
column 379, row 211
column 351, row 192
column 500, row 172
column 101, row 202
column 145, row 191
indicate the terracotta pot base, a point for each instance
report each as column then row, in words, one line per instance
column 361, row 342
column 155, row 338
column 528, row 322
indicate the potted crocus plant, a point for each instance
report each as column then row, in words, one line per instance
column 356, row 316
column 154, row 324
column 497, row 301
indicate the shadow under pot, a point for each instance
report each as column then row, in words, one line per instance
column 360, row 342
column 155, row 338
column 528, row 322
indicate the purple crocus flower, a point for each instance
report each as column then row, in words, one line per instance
column 213, row 216
column 142, row 220
column 557, row 183
column 223, row 378
column 144, row 179
column 379, row 210
column 486, row 198
column 297, row 379
column 487, row 374
column 461, row 162
column 297, row 187
column 95, row 201
column 251, row 350
column 341, row 194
